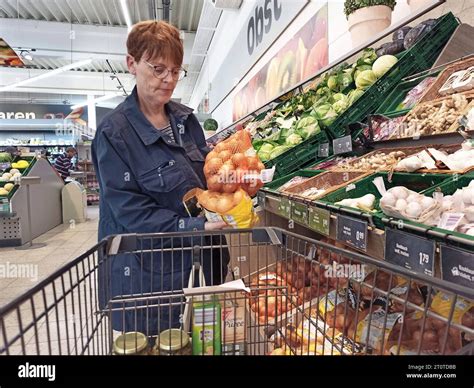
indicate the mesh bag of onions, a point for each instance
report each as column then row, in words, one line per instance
column 232, row 171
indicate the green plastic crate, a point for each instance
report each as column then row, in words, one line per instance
column 412, row 181
column 302, row 154
column 418, row 58
column 398, row 94
column 276, row 183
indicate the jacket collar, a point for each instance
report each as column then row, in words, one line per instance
column 148, row 134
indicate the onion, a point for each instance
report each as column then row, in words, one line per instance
column 230, row 187
column 211, row 155
column 253, row 163
column 213, row 165
column 260, row 166
column 233, row 145
column 214, row 183
column 224, row 204
column 240, row 173
column 225, row 155
column 240, row 160
column 238, row 197
column 220, row 147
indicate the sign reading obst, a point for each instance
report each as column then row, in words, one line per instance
column 261, row 23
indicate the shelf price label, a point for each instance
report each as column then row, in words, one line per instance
column 352, row 232
column 319, row 220
column 299, row 212
column 284, row 209
column 457, row 266
column 323, row 150
column 342, row 145
column 410, row 251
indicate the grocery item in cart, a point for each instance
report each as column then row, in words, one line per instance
column 173, row 342
column 206, row 326
column 131, row 344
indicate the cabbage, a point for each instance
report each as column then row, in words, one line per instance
column 279, row 150
column 322, row 110
column 338, row 96
column 267, row 147
column 332, row 82
column 329, row 117
column 365, row 79
column 354, row 95
column 264, row 156
column 294, row 139
column 340, row 106
column 383, row 64
column 360, row 69
column 285, row 123
column 307, row 126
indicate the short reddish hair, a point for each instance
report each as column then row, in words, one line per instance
column 155, row 39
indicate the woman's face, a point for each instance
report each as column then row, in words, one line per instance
column 153, row 89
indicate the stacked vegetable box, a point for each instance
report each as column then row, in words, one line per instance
column 300, row 130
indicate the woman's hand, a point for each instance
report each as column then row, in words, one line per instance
column 218, row 225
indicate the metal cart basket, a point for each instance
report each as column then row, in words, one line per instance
column 281, row 294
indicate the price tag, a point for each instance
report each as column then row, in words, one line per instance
column 342, row 145
column 323, row 150
column 410, row 251
column 4, row 166
column 318, row 220
column 352, row 232
column 457, row 266
column 299, row 212
column 284, row 209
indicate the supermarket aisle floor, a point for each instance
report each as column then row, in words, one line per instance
column 63, row 243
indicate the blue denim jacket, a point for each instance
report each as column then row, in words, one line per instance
column 143, row 175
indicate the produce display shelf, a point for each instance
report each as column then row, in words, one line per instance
column 304, row 153
column 398, row 94
column 412, row 181
column 276, row 183
column 418, row 58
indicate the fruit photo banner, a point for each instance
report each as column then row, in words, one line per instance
column 299, row 59
column 8, row 56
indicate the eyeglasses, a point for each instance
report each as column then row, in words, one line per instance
column 161, row 72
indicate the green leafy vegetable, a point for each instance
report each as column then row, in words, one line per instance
column 365, row 79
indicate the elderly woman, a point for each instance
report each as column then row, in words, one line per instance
column 148, row 153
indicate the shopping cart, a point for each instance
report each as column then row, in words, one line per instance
column 282, row 294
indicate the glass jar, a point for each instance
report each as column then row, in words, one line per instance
column 132, row 343
column 173, row 342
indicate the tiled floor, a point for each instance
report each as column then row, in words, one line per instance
column 63, row 244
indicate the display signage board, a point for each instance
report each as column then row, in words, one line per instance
column 284, row 209
column 299, row 212
column 342, row 145
column 265, row 22
column 301, row 57
column 33, row 111
column 319, row 220
column 457, row 266
column 410, row 251
column 352, row 232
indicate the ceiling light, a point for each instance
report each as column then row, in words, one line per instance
column 97, row 100
column 45, row 75
column 126, row 14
